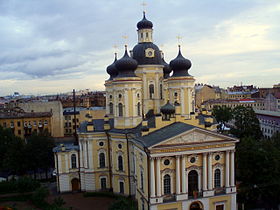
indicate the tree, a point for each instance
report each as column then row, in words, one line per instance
column 39, row 152
column 258, row 171
column 222, row 114
column 245, row 123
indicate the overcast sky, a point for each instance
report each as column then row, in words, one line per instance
column 54, row 46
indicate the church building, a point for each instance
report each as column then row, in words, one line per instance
column 151, row 144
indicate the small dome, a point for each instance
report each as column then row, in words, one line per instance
column 166, row 69
column 144, row 23
column 112, row 70
column 139, row 54
column 167, row 108
column 126, row 65
column 180, row 65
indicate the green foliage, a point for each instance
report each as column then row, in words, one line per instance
column 223, row 115
column 246, row 123
column 23, row 184
column 258, row 171
column 22, row 197
column 58, row 202
column 123, row 204
column 18, row 156
column 39, row 196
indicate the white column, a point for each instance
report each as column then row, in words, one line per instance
column 183, row 161
column 178, row 179
column 232, row 168
column 210, row 186
column 152, row 177
column 158, row 178
column 86, row 154
column 90, row 162
column 204, row 175
column 227, row 168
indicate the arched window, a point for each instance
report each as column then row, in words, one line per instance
column 111, row 108
column 193, row 182
column 151, row 90
column 138, row 109
column 120, row 110
column 102, row 160
column 73, row 161
column 217, row 178
column 120, row 163
column 167, row 184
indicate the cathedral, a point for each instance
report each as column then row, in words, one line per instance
column 151, row 145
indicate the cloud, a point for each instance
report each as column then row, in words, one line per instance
column 59, row 44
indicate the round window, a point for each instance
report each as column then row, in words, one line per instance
column 166, row 162
column 217, row 157
column 101, row 144
column 192, row 160
column 119, row 146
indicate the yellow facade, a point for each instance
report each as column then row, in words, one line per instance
column 151, row 144
column 27, row 123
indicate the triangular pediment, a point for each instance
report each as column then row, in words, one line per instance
column 194, row 136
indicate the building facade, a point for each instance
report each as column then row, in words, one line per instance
column 151, row 144
column 269, row 122
column 23, row 124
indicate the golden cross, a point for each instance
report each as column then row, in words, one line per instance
column 179, row 38
column 115, row 47
column 144, row 4
column 125, row 37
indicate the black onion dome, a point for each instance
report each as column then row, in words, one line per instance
column 180, row 65
column 167, row 108
column 112, row 70
column 166, row 69
column 144, row 23
column 139, row 54
column 126, row 65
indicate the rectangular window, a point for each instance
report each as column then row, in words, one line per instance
column 103, row 183
column 18, row 123
column 220, row 207
column 19, row 132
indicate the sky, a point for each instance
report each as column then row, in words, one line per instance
column 54, row 46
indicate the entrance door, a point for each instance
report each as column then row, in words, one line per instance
column 75, row 184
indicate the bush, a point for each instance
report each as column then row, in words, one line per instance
column 23, row 184
column 123, row 203
column 39, row 196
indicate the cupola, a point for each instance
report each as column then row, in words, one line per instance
column 126, row 65
column 144, row 23
column 112, row 70
column 167, row 110
column 180, row 65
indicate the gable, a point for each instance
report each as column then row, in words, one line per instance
column 193, row 136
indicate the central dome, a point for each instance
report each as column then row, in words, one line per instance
column 139, row 53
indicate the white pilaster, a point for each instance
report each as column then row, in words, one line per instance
column 204, row 175
column 210, row 185
column 227, row 169
column 152, row 177
column 183, row 161
column 178, row 179
column 232, row 183
column 158, row 178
